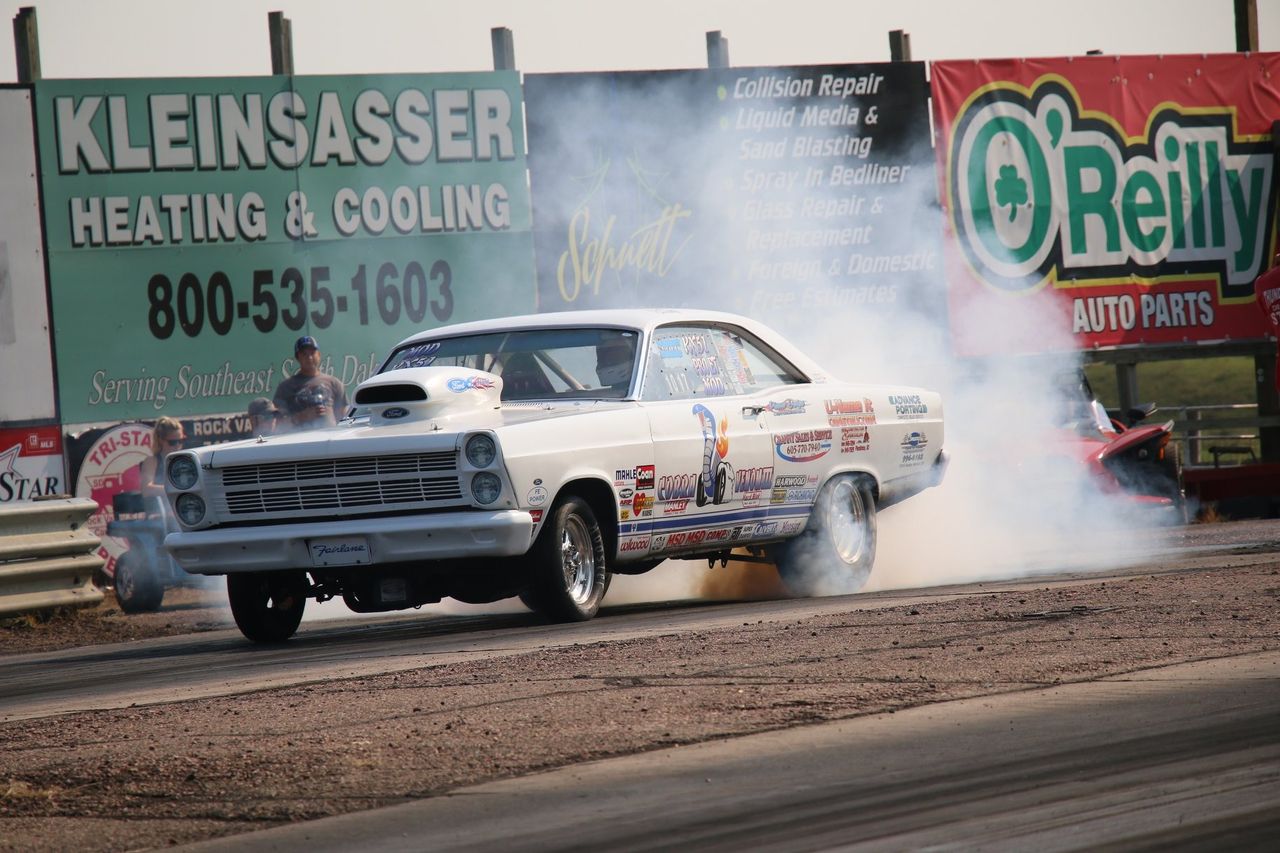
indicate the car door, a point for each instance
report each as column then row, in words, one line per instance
column 792, row 410
column 711, row 440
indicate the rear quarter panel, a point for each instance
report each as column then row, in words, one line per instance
column 888, row 432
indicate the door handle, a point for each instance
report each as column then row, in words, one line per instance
column 751, row 411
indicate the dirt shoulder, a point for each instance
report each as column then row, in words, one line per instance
column 181, row 772
column 185, row 611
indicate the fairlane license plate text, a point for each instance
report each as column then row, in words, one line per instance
column 345, row 551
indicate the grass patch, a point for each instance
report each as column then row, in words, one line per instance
column 1192, row 382
column 1181, row 382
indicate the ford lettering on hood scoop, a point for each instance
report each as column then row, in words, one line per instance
column 423, row 393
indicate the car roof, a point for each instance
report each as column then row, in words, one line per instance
column 639, row 319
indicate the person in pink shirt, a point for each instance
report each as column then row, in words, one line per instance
column 1267, row 292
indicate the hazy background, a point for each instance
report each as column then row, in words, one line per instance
column 173, row 38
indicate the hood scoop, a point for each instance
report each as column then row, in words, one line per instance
column 426, row 393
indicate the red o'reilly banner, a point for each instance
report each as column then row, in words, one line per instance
column 1106, row 201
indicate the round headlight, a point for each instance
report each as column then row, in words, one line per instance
column 486, row 487
column 190, row 509
column 481, row 451
column 183, row 471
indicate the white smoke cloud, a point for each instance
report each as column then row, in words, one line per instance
column 1014, row 503
column 1018, row 499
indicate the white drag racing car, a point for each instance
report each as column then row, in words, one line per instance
column 536, row 456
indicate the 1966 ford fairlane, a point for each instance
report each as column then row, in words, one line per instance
column 537, row 456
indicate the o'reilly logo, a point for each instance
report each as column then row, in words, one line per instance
column 1040, row 192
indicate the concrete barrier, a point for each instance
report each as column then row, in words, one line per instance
column 47, row 556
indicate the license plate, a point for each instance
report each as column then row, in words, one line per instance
column 343, row 551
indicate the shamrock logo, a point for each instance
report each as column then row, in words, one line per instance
column 1010, row 190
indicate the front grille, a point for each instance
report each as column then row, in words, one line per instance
column 328, row 469
column 356, row 484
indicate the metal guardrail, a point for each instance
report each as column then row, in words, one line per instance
column 1228, row 433
column 47, row 556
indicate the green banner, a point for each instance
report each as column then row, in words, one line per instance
column 197, row 227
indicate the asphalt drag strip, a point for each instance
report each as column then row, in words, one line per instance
column 1184, row 756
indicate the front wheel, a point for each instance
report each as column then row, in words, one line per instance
column 570, row 573
column 267, row 606
column 834, row 554
column 138, row 588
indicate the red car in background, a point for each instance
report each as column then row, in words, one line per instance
column 1125, row 456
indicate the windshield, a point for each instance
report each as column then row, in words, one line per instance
column 1076, row 407
column 537, row 364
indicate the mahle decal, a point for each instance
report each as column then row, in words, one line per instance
column 1041, row 191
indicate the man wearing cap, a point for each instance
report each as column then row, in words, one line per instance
column 309, row 398
column 264, row 417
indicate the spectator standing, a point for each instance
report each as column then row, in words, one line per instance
column 310, row 398
column 264, row 417
column 166, row 436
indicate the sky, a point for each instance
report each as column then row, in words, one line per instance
column 179, row 38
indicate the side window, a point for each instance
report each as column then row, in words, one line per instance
column 682, row 365
column 764, row 370
column 693, row 362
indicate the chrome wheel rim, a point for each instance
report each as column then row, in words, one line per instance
column 847, row 521
column 577, row 559
column 124, row 580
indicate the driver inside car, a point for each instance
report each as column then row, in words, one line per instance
column 615, row 357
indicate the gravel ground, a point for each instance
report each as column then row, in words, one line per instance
column 166, row 774
column 185, row 611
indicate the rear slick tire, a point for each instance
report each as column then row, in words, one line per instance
column 570, row 573
column 267, row 606
column 835, row 553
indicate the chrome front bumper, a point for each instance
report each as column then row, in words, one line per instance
column 401, row 538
